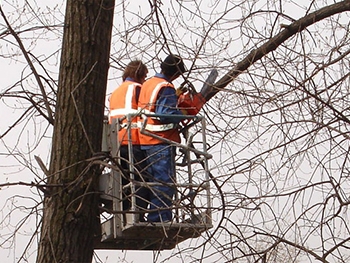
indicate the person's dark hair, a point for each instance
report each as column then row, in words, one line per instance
column 173, row 65
column 135, row 70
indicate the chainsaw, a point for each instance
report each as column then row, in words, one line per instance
column 192, row 101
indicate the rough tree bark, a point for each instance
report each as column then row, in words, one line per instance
column 70, row 218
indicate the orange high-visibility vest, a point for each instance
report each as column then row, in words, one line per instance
column 122, row 102
column 147, row 104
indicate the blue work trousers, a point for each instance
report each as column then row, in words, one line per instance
column 161, row 170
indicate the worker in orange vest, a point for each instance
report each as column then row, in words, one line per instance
column 124, row 100
column 158, row 96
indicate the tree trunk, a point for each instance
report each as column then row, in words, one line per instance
column 70, row 217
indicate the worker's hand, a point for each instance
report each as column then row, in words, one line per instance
column 184, row 112
column 180, row 90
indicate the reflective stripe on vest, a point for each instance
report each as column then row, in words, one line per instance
column 128, row 108
column 129, row 96
column 160, row 127
column 122, row 103
column 147, row 105
column 155, row 92
column 132, row 125
column 153, row 98
column 122, row 112
column 156, row 127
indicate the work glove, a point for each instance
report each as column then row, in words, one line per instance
column 184, row 112
column 180, row 90
column 186, row 86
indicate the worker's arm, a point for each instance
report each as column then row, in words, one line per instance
column 167, row 104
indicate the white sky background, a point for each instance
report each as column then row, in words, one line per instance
column 123, row 50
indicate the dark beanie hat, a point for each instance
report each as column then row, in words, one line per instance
column 173, row 64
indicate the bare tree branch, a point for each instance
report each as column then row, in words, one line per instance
column 276, row 41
